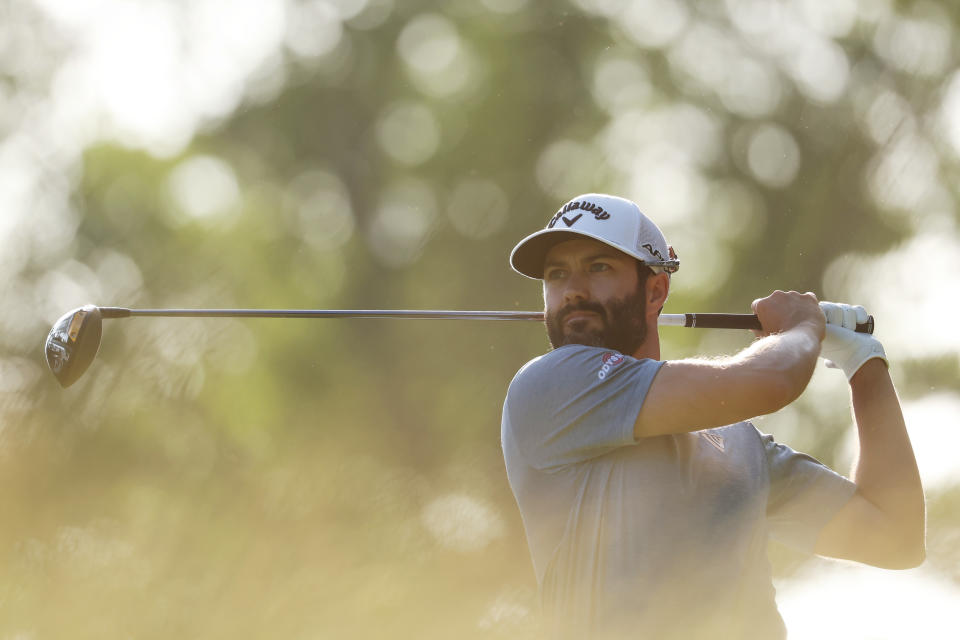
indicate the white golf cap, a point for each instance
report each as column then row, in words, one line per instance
column 614, row 221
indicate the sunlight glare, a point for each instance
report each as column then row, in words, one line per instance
column 436, row 57
column 408, row 132
column 840, row 600
column 69, row 286
column 773, row 156
column 919, row 44
column 620, row 82
column 205, row 188
column 314, row 28
column 834, row 19
column 324, row 211
column 567, row 166
column 931, row 422
column 667, row 184
column 903, row 173
column 672, row 18
column 910, row 323
column 821, row 69
column 402, row 223
column 950, row 113
column 156, row 69
column 462, row 523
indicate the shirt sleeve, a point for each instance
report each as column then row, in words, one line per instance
column 804, row 495
column 576, row 403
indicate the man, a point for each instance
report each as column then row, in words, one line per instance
column 646, row 497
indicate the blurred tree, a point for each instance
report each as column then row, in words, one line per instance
column 268, row 478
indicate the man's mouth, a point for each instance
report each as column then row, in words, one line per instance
column 579, row 317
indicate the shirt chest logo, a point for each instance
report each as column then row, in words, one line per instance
column 715, row 440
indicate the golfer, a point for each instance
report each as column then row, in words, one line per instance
column 646, row 495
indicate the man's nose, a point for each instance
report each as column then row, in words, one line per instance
column 575, row 289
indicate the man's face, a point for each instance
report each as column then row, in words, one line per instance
column 593, row 297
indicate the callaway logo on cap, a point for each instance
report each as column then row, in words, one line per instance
column 611, row 220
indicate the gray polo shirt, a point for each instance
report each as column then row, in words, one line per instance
column 658, row 538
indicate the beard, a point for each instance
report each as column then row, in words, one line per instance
column 623, row 320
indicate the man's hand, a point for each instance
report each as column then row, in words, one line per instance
column 844, row 348
column 784, row 310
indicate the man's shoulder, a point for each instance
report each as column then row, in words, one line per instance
column 569, row 351
column 577, row 354
column 577, row 358
column 575, row 367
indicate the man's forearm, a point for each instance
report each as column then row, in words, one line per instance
column 886, row 470
column 789, row 357
column 688, row 395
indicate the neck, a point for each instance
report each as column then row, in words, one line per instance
column 650, row 347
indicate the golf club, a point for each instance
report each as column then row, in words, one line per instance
column 74, row 340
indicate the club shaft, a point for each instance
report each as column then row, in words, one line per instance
column 698, row 320
column 118, row 312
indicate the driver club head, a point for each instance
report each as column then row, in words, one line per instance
column 73, row 343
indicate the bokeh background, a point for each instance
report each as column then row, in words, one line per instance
column 343, row 479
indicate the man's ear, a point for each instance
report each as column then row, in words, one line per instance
column 658, row 288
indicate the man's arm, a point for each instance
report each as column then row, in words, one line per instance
column 688, row 395
column 884, row 523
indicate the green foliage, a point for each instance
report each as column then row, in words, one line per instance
column 270, row 478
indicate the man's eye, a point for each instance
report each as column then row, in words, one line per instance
column 555, row 274
column 599, row 266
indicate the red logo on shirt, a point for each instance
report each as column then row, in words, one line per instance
column 613, row 359
column 610, row 360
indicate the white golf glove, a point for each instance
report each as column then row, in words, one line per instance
column 844, row 348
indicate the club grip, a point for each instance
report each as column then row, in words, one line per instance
column 743, row 321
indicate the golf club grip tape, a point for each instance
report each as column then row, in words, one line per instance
column 744, row 321
column 722, row 321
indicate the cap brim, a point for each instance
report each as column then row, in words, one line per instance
column 528, row 256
